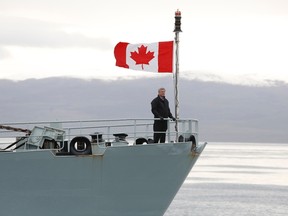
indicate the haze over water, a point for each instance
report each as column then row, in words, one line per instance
column 236, row 179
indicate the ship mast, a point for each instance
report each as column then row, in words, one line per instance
column 177, row 30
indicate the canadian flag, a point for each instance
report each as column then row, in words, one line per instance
column 153, row 57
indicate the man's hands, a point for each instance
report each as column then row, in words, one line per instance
column 172, row 118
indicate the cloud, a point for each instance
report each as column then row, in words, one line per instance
column 26, row 32
column 202, row 76
column 4, row 54
column 243, row 80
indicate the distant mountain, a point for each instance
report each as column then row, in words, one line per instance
column 226, row 112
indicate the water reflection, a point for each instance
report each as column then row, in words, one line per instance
column 245, row 163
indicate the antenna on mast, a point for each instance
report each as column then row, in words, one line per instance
column 177, row 29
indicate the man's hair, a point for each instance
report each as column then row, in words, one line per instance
column 161, row 89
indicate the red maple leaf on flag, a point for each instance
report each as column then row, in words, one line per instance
column 142, row 57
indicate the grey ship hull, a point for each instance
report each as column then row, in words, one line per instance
column 124, row 181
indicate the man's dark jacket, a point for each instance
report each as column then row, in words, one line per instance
column 160, row 108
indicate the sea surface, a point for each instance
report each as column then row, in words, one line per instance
column 236, row 179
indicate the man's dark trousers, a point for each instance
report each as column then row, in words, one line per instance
column 160, row 127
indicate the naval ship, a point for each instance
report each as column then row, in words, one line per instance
column 94, row 168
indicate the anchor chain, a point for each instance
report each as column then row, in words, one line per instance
column 27, row 131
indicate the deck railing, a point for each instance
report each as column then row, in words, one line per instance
column 134, row 128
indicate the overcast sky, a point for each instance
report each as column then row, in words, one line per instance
column 236, row 41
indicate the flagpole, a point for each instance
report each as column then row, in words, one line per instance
column 177, row 30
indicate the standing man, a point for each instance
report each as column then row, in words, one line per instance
column 160, row 109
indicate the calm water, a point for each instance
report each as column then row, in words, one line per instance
column 236, row 179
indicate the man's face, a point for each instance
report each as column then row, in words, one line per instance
column 162, row 92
